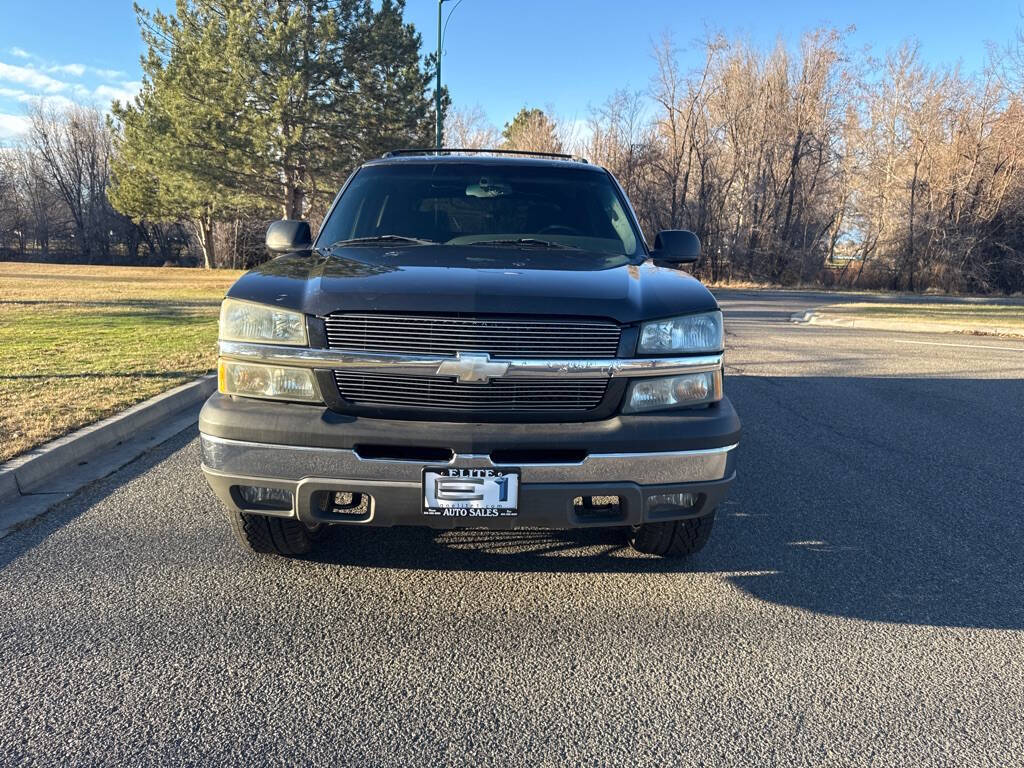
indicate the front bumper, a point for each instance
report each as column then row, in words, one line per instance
column 310, row 451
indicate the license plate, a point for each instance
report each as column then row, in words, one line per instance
column 470, row 493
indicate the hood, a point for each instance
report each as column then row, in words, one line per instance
column 474, row 280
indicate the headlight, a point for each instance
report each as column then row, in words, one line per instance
column 268, row 381
column 245, row 321
column 674, row 391
column 690, row 333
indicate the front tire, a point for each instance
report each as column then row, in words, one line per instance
column 275, row 535
column 673, row 538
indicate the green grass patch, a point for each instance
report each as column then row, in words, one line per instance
column 80, row 343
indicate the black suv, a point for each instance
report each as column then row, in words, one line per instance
column 473, row 339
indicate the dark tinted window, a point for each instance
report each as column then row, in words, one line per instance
column 465, row 203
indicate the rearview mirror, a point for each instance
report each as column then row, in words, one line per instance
column 289, row 235
column 678, row 246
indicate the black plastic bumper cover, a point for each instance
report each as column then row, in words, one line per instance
column 262, row 421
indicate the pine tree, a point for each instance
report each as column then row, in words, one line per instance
column 251, row 105
column 532, row 129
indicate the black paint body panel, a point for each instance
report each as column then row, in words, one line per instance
column 472, row 280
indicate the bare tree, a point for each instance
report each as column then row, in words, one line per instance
column 622, row 139
column 469, row 128
column 74, row 148
column 44, row 214
column 9, row 209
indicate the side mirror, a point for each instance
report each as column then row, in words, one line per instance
column 678, row 246
column 289, row 235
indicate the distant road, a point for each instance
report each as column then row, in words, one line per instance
column 859, row 602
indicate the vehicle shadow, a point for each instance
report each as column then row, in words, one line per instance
column 882, row 499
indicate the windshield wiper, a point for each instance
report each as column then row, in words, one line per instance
column 530, row 242
column 382, row 239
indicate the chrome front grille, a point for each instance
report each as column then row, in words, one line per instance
column 449, row 334
column 432, row 392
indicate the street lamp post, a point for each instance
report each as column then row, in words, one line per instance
column 437, row 91
column 438, row 133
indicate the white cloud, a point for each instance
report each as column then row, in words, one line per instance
column 57, row 102
column 108, row 74
column 12, row 126
column 30, row 77
column 23, row 84
column 75, row 70
column 123, row 92
column 16, row 93
column 25, row 97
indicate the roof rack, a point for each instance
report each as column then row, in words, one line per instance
column 459, row 150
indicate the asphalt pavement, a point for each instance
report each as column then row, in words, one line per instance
column 859, row 603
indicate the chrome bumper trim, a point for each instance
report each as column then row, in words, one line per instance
column 431, row 365
column 293, row 463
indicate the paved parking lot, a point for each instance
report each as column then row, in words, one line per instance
column 859, row 602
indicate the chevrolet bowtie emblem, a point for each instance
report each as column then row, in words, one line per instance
column 468, row 368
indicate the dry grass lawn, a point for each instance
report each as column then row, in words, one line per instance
column 972, row 317
column 79, row 343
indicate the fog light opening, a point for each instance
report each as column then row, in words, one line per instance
column 344, row 501
column 348, row 504
column 663, row 502
column 262, row 497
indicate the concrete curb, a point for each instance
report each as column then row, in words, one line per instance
column 32, row 483
column 801, row 317
column 815, row 317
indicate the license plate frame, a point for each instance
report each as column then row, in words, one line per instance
column 470, row 493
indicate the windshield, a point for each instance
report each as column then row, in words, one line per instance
column 483, row 204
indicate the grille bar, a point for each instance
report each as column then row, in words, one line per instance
column 447, row 335
column 432, row 392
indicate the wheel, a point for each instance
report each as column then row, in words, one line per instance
column 673, row 538
column 275, row 535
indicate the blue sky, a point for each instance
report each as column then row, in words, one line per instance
column 499, row 54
